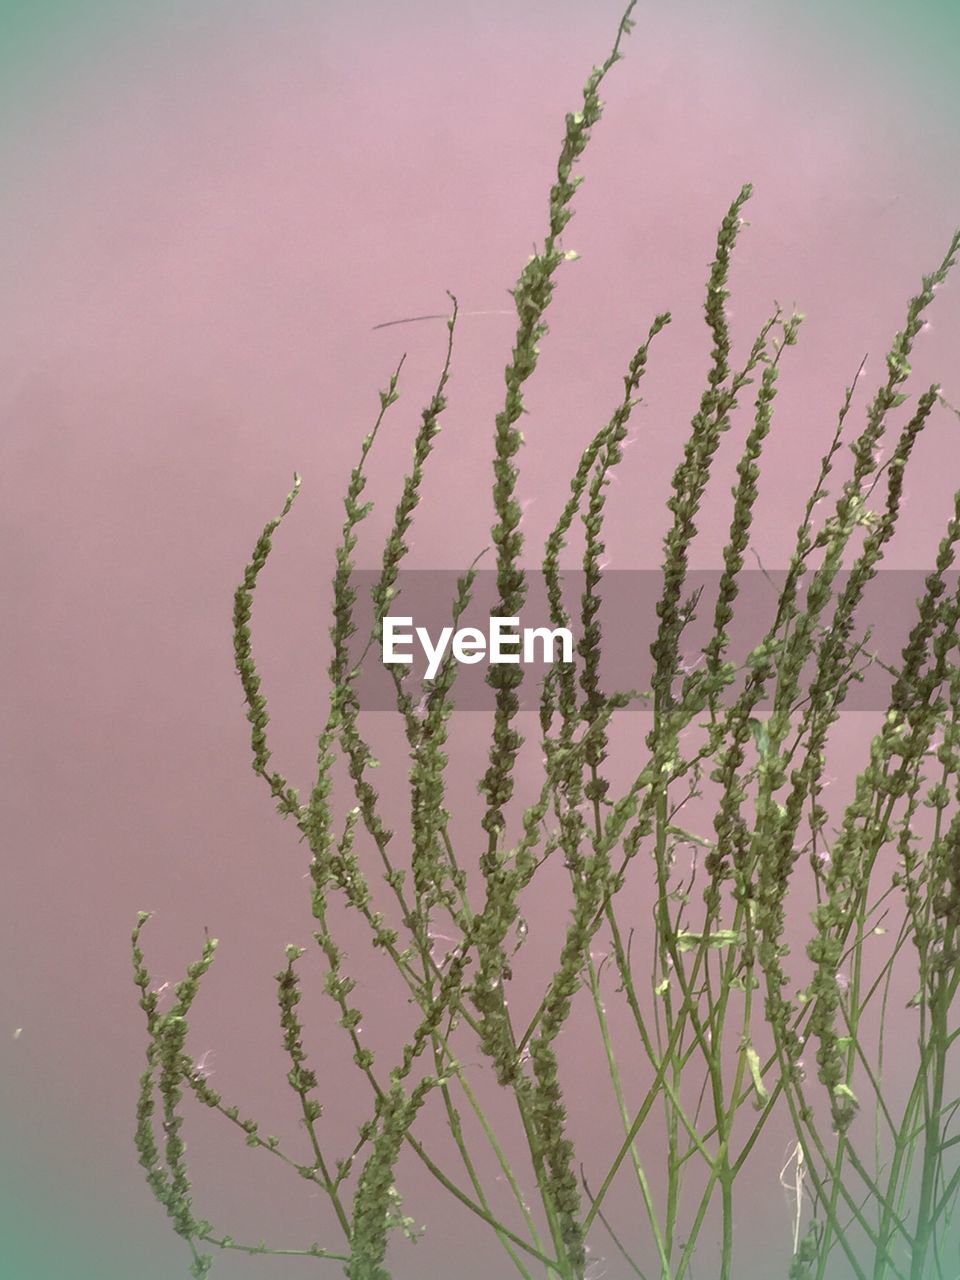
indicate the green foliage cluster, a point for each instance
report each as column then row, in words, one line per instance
column 716, row 1007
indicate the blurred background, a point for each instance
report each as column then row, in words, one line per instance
column 206, row 209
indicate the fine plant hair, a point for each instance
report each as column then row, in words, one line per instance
column 732, row 1049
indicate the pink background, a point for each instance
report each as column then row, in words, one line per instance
column 199, row 240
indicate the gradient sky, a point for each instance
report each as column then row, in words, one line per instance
column 206, row 208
